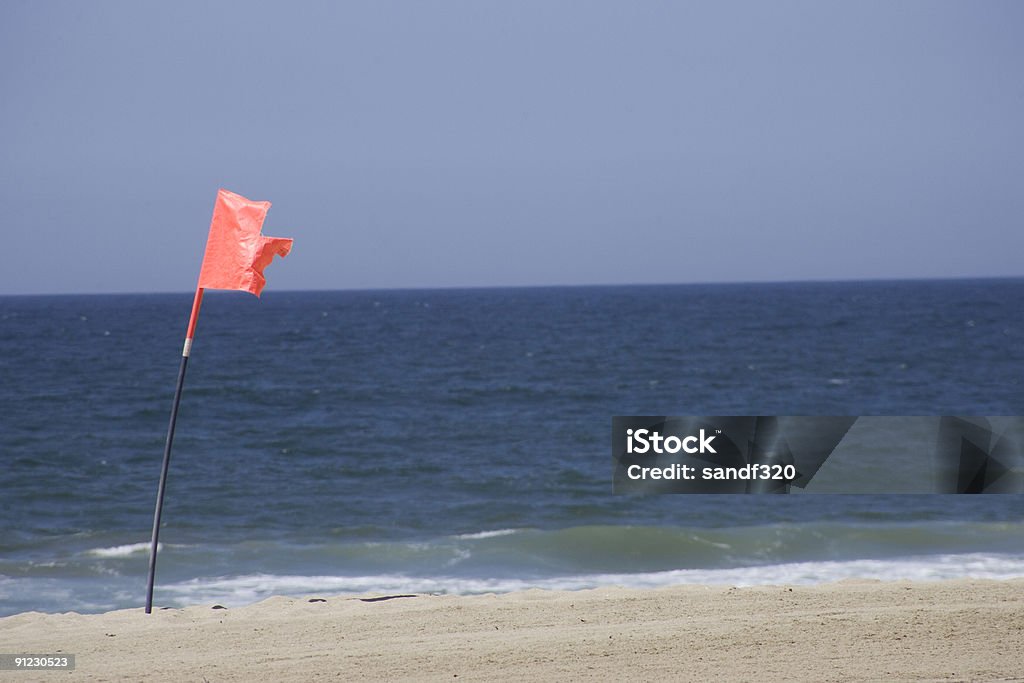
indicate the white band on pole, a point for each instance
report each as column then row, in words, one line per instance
column 188, row 347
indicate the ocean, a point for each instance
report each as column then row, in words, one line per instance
column 458, row 440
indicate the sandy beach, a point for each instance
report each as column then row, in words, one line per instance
column 853, row 630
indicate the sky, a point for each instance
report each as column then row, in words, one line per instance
column 477, row 143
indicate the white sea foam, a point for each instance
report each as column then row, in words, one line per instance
column 461, row 555
column 122, row 550
column 250, row 588
column 488, row 534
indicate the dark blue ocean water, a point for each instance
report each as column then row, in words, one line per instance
column 458, row 440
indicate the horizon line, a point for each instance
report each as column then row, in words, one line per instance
column 705, row 283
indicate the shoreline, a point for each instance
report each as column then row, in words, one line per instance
column 850, row 630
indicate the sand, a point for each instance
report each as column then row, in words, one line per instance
column 863, row 630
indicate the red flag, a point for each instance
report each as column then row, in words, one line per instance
column 236, row 252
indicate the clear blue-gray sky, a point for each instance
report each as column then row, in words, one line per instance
column 475, row 143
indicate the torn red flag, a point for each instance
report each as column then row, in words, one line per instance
column 236, row 252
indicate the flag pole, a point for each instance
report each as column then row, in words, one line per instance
column 235, row 256
column 185, row 352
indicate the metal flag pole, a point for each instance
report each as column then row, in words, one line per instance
column 185, row 352
column 235, row 256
